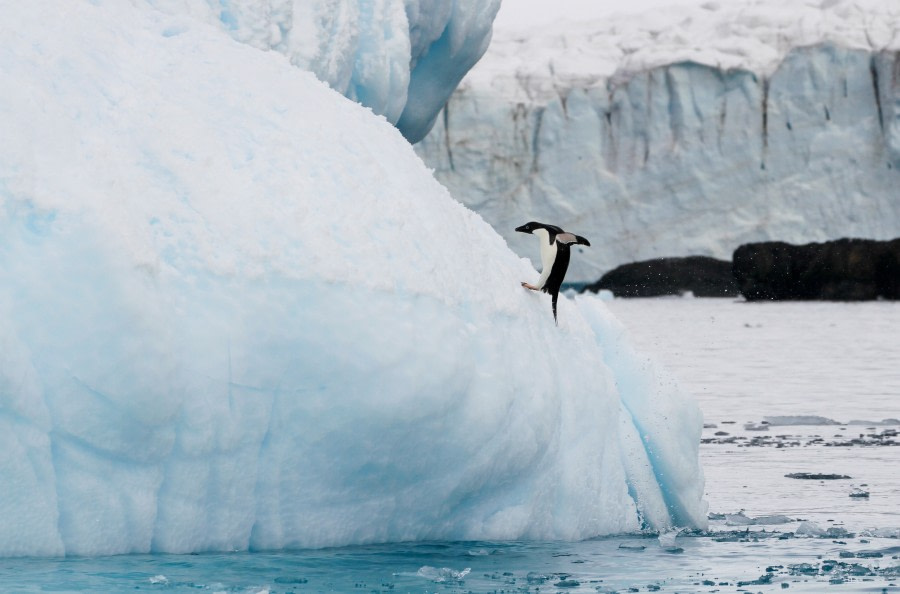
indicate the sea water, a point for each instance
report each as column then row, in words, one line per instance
column 800, row 449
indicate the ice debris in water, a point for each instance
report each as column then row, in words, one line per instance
column 159, row 579
column 443, row 574
column 764, row 426
column 875, row 423
column 536, row 578
column 479, row 552
column 741, row 519
column 881, row 533
column 785, row 420
column 809, row 529
column 667, row 540
column 813, row 530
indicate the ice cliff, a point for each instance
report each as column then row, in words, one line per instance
column 237, row 312
column 684, row 131
column 401, row 58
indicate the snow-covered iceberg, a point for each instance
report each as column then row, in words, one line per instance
column 239, row 318
column 689, row 130
column 401, row 58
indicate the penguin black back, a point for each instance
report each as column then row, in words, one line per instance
column 557, row 275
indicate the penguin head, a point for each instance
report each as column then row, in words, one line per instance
column 530, row 227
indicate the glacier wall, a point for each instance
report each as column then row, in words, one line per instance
column 234, row 319
column 678, row 153
column 400, row 58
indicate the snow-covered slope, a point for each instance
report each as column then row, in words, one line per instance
column 684, row 131
column 401, row 58
column 236, row 311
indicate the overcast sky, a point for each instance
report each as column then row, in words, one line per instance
column 519, row 14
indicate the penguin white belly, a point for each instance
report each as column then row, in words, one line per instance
column 548, row 256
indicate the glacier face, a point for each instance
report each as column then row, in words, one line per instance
column 239, row 318
column 686, row 132
column 400, row 58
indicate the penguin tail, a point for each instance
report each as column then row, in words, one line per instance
column 554, row 297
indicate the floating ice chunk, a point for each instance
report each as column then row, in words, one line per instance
column 764, row 426
column 883, row 422
column 787, row 420
column 534, row 577
column 809, row 529
column 772, row 520
column 667, row 540
column 741, row 519
column 738, row 519
column 803, row 569
column 881, row 533
column 443, row 574
column 159, row 579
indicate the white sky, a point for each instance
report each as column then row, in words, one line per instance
column 522, row 14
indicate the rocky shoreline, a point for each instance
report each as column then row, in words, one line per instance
column 840, row 270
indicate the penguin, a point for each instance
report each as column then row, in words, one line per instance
column 555, row 253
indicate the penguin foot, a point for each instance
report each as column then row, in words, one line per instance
column 529, row 286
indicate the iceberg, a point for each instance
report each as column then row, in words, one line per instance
column 684, row 131
column 237, row 312
column 400, row 58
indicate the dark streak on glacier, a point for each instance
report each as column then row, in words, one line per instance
column 447, row 143
column 765, row 121
column 873, row 68
column 535, row 139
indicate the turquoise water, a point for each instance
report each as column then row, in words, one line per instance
column 727, row 561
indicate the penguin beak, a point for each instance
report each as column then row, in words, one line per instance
column 523, row 229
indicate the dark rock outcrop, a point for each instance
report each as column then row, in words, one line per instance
column 841, row 270
column 701, row 275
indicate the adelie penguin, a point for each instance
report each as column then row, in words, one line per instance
column 555, row 254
